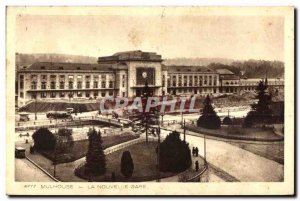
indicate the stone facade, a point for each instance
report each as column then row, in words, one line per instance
column 124, row 74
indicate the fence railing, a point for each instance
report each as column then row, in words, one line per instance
column 79, row 121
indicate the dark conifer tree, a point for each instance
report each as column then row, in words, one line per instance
column 209, row 118
column 127, row 165
column 261, row 112
column 95, row 158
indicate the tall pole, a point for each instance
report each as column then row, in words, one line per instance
column 204, row 149
column 181, row 118
column 146, row 118
column 35, row 97
column 184, row 130
column 158, row 154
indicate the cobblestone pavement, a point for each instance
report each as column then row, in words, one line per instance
column 25, row 171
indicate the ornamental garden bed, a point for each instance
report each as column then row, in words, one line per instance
column 144, row 159
column 239, row 133
column 79, row 149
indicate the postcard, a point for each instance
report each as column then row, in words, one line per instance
column 150, row 101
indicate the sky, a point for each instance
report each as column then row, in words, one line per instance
column 240, row 37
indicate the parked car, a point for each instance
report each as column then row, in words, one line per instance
column 20, row 152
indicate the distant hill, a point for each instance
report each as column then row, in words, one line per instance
column 196, row 61
column 27, row 59
column 249, row 68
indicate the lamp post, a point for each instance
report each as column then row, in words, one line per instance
column 184, row 130
column 158, row 154
column 205, row 163
column 145, row 95
column 162, row 119
column 35, row 97
column 181, row 119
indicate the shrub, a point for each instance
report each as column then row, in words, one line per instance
column 175, row 154
column 227, row 121
column 65, row 139
column 44, row 139
column 127, row 165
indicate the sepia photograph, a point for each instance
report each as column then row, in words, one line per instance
column 150, row 100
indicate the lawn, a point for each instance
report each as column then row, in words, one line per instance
column 80, row 147
column 144, row 159
column 239, row 133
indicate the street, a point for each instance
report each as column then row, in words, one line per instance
column 240, row 164
column 25, row 171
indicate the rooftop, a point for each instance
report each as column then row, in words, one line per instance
column 68, row 66
column 182, row 68
column 136, row 55
column 224, row 71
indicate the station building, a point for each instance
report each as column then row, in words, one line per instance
column 123, row 74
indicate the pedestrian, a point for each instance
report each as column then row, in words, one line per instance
column 196, row 151
column 197, row 166
column 193, row 151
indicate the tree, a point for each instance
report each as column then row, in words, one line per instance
column 227, row 121
column 209, row 118
column 44, row 139
column 127, row 165
column 260, row 111
column 65, row 139
column 95, row 158
column 175, row 154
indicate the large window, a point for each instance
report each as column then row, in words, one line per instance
column 185, row 81
column 195, row 80
column 111, row 84
column 52, row 85
column 70, row 85
column 33, row 85
column 95, row 84
column 52, row 94
column 79, row 85
column 21, row 81
column 140, row 80
column 205, row 80
column 43, row 95
column 103, row 84
column 62, row 85
column 179, row 80
column 190, row 80
column 87, row 84
column 44, row 77
column 43, row 85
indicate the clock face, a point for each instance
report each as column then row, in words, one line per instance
column 144, row 75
